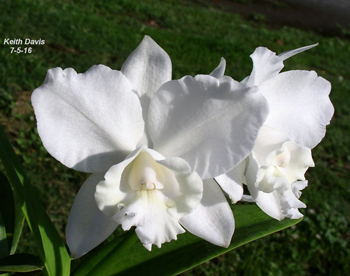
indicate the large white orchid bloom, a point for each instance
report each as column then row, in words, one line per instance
column 300, row 109
column 151, row 144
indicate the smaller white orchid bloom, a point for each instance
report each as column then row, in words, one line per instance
column 275, row 174
column 152, row 145
column 300, row 109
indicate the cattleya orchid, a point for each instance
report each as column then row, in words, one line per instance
column 152, row 144
column 300, row 109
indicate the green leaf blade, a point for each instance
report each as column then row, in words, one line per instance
column 13, row 217
column 51, row 248
column 20, row 263
column 3, row 239
column 6, row 216
column 188, row 251
column 91, row 259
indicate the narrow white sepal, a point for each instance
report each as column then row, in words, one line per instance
column 213, row 219
column 291, row 53
column 232, row 182
column 87, row 226
column 147, row 68
column 219, row 71
column 267, row 65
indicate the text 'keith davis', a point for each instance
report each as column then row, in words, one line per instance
column 27, row 41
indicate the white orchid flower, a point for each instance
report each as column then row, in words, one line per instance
column 152, row 145
column 300, row 109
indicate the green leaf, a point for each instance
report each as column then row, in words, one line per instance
column 3, row 239
column 20, row 263
column 12, row 215
column 51, row 248
column 188, row 251
column 120, row 244
column 32, row 273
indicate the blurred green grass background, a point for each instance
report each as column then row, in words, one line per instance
column 196, row 35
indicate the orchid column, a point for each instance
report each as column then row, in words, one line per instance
column 152, row 145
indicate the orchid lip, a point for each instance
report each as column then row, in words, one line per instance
column 150, row 192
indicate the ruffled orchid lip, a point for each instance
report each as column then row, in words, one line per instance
column 154, row 194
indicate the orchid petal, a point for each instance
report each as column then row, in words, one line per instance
column 247, row 198
column 211, row 124
column 268, row 202
column 268, row 140
column 186, row 187
column 290, row 202
column 232, row 182
column 280, row 203
column 213, row 219
column 87, row 226
column 298, row 186
column 115, row 188
column 299, row 106
column 266, row 65
column 219, row 71
column 269, row 179
column 252, row 168
column 300, row 161
column 88, row 121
